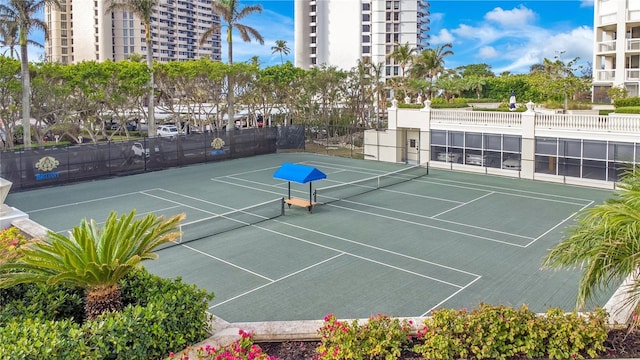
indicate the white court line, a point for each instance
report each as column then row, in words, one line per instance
column 90, row 201
column 560, row 223
column 227, row 262
column 540, row 196
column 427, row 226
column 373, row 247
column 449, row 297
column 274, row 281
column 401, row 212
column 252, row 171
column 482, row 187
column 463, row 204
column 181, row 204
column 137, row 215
column 438, row 220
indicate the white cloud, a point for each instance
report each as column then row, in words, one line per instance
column 517, row 16
column 488, row 52
column 444, row 36
column 513, row 42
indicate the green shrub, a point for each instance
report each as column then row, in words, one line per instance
column 161, row 315
column 380, row 338
column 604, row 112
column 631, row 101
column 628, row 110
column 29, row 338
column 498, row 332
column 241, row 349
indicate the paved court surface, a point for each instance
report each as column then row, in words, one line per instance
column 447, row 239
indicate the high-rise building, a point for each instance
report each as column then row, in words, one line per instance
column 616, row 52
column 84, row 30
column 341, row 32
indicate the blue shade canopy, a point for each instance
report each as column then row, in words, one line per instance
column 299, row 173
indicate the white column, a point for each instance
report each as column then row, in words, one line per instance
column 528, row 158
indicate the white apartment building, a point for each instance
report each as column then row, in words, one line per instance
column 341, row 32
column 616, row 52
column 83, row 30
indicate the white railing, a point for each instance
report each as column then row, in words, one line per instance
column 606, row 46
column 605, row 75
column 572, row 122
column 633, row 44
column 486, row 118
column 632, row 74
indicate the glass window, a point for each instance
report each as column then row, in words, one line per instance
column 546, row 146
column 366, row 38
column 592, row 169
column 595, row 149
column 438, row 137
column 366, row 17
column 473, row 140
column 569, row 167
column 456, row 139
column 366, row 49
column 512, row 143
column 366, row 28
column 571, row 148
column 366, row 7
column 621, row 152
column 493, row 142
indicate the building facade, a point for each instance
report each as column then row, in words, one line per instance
column 339, row 33
column 83, row 30
column 616, row 51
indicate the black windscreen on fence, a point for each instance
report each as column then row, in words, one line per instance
column 56, row 165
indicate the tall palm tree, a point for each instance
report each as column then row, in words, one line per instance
column 282, row 48
column 231, row 13
column 143, row 9
column 402, row 54
column 24, row 14
column 9, row 38
column 604, row 242
column 430, row 62
column 92, row 258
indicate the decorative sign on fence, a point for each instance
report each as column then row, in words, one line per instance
column 47, row 164
column 218, row 146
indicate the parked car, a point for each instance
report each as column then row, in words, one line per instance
column 475, row 159
column 511, row 164
column 449, row 157
column 169, row 131
column 140, row 151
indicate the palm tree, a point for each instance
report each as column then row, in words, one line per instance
column 143, row 9
column 402, row 54
column 429, row 63
column 282, row 48
column 92, row 258
column 231, row 14
column 9, row 38
column 604, row 242
column 24, row 15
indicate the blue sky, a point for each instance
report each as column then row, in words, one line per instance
column 508, row 35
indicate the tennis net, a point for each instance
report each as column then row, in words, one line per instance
column 333, row 193
column 232, row 220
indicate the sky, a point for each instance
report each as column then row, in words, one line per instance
column 509, row 35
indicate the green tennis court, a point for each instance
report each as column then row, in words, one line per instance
column 447, row 239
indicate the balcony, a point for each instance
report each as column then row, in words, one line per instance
column 607, row 46
column 605, row 75
column 632, row 75
column 633, row 44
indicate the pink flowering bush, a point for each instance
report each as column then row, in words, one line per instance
column 241, row 349
column 380, row 338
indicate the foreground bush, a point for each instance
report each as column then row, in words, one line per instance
column 498, row 332
column 159, row 316
column 380, row 338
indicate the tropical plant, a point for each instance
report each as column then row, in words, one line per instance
column 604, row 242
column 231, row 13
column 9, row 38
column 430, row 63
column 143, row 9
column 25, row 15
column 282, row 48
column 92, row 258
column 402, row 54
